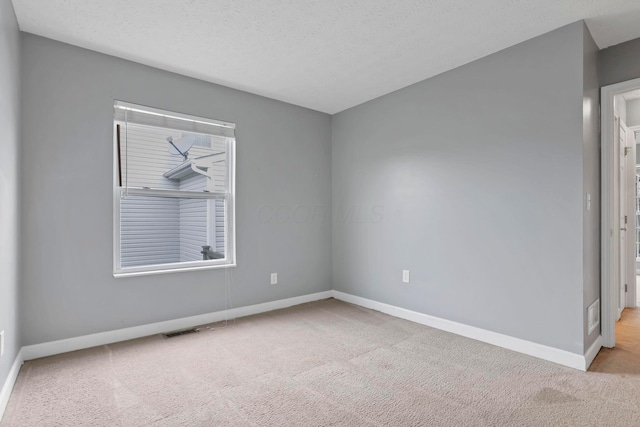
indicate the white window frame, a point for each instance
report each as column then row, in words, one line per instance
column 119, row 190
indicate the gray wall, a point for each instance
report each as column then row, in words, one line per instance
column 591, row 183
column 620, row 63
column 9, row 147
column 472, row 180
column 633, row 112
column 283, row 162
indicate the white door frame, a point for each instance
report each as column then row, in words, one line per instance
column 632, row 293
column 609, row 221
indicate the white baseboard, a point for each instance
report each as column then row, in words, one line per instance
column 51, row 348
column 551, row 354
column 10, row 382
column 592, row 352
column 540, row 351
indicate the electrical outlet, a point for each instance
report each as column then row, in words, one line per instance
column 405, row 276
column 274, row 278
column 1, row 344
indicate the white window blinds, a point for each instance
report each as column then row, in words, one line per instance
column 132, row 113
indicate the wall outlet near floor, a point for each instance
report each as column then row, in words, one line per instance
column 274, row 278
column 593, row 316
column 1, row 344
column 405, row 276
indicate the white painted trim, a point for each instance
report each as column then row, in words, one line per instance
column 607, row 258
column 551, row 354
column 193, row 267
column 7, row 387
column 171, row 114
column 36, row 351
column 630, row 297
column 592, row 352
column 607, row 218
column 87, row 341
column 229, row 197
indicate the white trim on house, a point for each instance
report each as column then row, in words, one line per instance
column 7, row 387
column 540, row 351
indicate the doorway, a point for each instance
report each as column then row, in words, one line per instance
column 632, row 296
column 619, row 209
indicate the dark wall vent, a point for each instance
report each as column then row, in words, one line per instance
column 178, row 333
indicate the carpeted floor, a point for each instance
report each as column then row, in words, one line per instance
column 320, row 364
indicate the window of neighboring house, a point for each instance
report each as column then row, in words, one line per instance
column 173, row 191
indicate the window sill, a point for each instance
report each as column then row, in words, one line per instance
column 120, row 274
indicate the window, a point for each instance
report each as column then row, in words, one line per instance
column 173, row 191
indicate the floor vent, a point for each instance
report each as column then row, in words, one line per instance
column 178, row 333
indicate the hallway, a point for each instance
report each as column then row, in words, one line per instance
column 625, row 357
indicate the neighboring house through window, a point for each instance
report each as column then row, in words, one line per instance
column 173, row 191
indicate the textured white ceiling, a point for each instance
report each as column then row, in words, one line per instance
column 327, row 55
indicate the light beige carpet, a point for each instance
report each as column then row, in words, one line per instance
column 321, row 364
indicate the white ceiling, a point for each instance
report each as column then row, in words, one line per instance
column 327, row 55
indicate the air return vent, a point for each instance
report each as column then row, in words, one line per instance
column 178, row 333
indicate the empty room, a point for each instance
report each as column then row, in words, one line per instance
column 319, row 213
